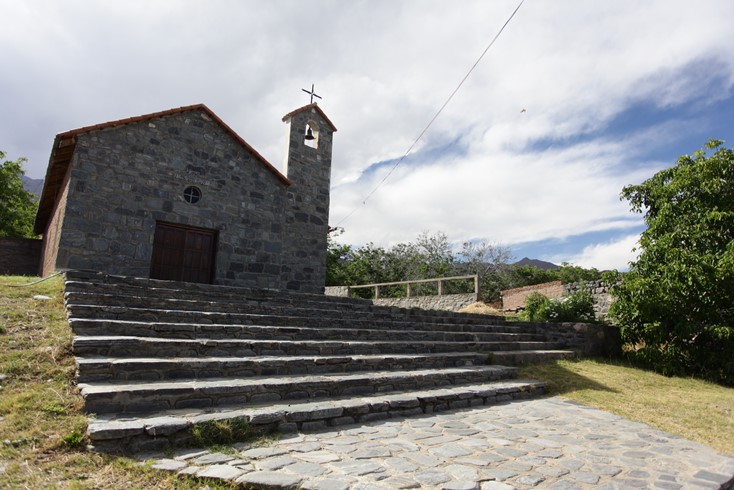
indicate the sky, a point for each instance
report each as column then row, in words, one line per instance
column 575, row 100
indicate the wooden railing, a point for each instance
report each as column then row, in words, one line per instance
column 408, row 284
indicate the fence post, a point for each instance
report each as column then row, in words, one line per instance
column 476, row 284
column 349, row 292
column 440, row 287
column 377, row 292
column 410, row 290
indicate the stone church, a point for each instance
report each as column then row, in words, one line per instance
column 178, row 195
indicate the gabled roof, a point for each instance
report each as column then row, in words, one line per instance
column 307, row 108
column 65, row 144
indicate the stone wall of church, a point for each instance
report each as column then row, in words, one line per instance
column 307, row 219
column 127, row 178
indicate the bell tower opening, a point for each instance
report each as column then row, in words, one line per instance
column 311, row 138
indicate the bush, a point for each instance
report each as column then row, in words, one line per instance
column 576, row 307
column 537, row 307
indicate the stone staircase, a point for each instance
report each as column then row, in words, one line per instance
column 156, row 357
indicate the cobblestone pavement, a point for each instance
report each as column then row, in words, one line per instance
column 544, row 443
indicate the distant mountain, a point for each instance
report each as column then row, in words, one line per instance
column 33, row 185
column 540, row 264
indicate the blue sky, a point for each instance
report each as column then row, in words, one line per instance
column 574, row 101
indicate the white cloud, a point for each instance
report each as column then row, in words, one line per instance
column 383, row 69
column 616, row 254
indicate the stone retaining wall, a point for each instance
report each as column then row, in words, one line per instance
column 445, row 302
column 592, row 339
column 599, row 291
column 20, row 256
column 340, row 291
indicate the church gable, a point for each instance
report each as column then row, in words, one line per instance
column 172, row 153
column 175, row 195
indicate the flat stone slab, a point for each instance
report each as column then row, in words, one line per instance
column 314, row 415
column 542, row 443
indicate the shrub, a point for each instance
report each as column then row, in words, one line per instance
column 576, row 307
column 536, row 308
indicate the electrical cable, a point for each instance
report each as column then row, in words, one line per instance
column 407, row 152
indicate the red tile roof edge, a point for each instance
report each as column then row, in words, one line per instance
column 179, row 110
column 308, row 107
column 57, row 167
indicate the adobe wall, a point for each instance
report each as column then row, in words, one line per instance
column 20, row 256
column 513, row 299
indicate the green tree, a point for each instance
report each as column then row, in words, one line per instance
column 568, row 273
column 489, row 262
column 675, row 304
column 430, row 256
column 17, row 206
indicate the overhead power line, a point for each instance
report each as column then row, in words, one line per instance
column 438, row 113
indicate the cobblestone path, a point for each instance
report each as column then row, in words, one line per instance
column 548, row 443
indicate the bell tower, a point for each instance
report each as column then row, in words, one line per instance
column 308, row 167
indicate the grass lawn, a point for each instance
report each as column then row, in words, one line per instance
column 42, row 426
column 697, row 410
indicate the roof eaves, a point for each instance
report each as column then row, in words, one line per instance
column 307, row 108
column 59, row 162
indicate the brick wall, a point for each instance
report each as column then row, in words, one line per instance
column 513, row 299
column 52, row 234
column 20, row 256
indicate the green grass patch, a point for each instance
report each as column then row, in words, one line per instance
column 217, row 433
column 691, row 408
column 42, row 426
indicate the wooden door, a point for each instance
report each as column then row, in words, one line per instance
column 183, row 253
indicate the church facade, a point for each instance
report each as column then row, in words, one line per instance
column 178, row 195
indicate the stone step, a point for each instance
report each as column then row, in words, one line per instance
column 519, row 358
column 224, row 331
column 90, row 282
column 214, row 317
column 95, row 369
column 171, row 428
column 148, row 397
column 268, row 297
column 131, row 286
column 122, row 346
column 320, row 309
column 106, row 294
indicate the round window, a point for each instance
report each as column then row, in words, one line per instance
column 192, row 194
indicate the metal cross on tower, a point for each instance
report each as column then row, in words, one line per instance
column 311, row 93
